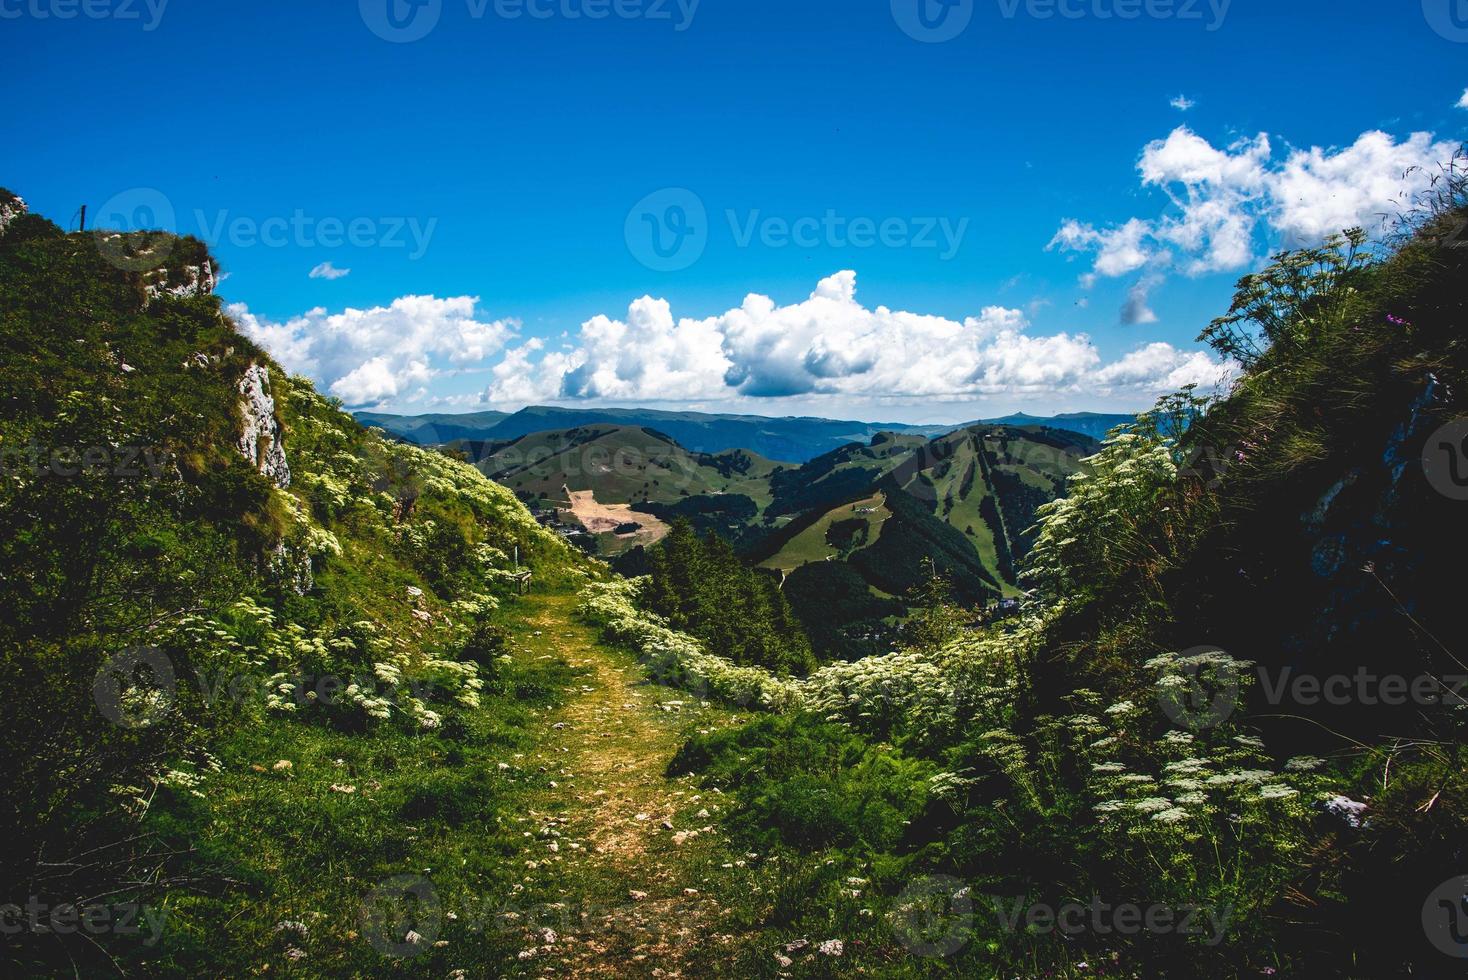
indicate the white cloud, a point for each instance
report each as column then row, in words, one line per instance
column 1182, row 103
column 1463, row 102
column 826, row 346
column 1318, row 193
column 1162, row 367
column 1119, row 250
column 328, row 271
column 1229, row 206
column 366, row 357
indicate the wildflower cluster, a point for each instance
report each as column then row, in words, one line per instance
column 676, row 658
column 907, row 690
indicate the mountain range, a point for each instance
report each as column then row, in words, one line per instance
column 851, row 533
column 790, row 439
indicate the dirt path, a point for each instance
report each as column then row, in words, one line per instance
column 625, row 852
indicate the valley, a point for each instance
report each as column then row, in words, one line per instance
column 963, row 502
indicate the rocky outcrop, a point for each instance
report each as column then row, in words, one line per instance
column 11, row 207
column 184, row 281
column 260, row 439
column 187, row 269
column 291, row 567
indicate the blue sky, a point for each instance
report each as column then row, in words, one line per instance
column 494, row 167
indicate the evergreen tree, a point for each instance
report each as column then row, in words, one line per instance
column 703, row 589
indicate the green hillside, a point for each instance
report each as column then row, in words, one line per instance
column 623, row 464
column 966, row 501
column 835, row 533
column 216, row 582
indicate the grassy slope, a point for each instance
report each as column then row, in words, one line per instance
column 559, row 839
column 945, row 475
column 811, row 544
column 378, row 561
column 622, row 464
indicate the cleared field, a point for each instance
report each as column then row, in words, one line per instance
column 811, row 544
column 599, row 518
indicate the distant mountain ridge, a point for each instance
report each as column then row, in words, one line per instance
column 788, row 439
column 1093, row 424
column 850, row 533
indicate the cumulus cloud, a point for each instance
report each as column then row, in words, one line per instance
column 1162, row 367
column 1228, row 205
column 1463, row 102
column 1118, row 250
column 826, row 345
column 1182, row 103
column 328, row 271
column 367, row 357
